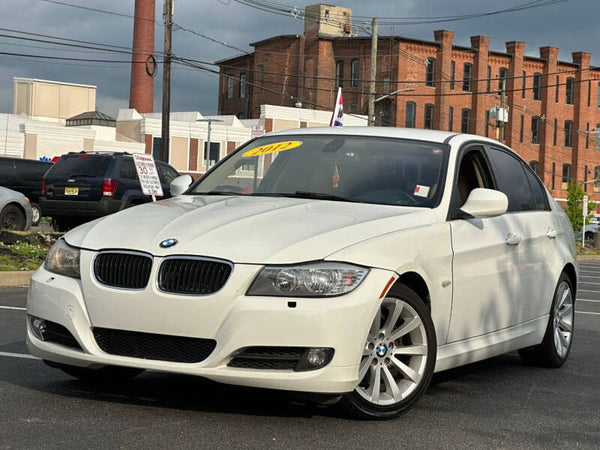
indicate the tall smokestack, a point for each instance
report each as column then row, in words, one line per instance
column 141, row 91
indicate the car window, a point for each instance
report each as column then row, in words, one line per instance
column 127, row 169
column 168, row 173
column 539, row 192
column 82, row 165
column 7, row 170
column 32, row 169
column 512, row 180
column 473, row 173
column 354, row 168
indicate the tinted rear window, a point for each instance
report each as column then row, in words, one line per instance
column 86, row 165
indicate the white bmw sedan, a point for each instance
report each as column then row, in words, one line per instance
column 354, row 262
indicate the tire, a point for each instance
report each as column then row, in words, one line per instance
column 108, row 374
column 398, row 359
column 37, row 214
column 589, row 235
column 554, row 349
column 12, row 218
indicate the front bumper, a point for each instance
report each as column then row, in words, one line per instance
column 234, row 320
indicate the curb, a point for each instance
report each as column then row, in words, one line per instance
column 15, row 279
column 588, row 258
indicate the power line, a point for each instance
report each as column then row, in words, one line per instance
column 64, row 58
column 130, row 16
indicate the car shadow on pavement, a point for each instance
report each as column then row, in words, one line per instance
column 191, row 393
column 165, row 390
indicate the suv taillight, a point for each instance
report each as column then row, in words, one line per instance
column 43, row 186
column 109, row 187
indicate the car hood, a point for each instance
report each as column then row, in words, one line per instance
column 244, row 229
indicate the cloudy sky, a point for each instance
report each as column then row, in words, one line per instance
column 571, row 25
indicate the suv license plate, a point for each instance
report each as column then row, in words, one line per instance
column 71, row 191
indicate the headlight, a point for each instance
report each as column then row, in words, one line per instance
column 63, row 260
column 324, row 279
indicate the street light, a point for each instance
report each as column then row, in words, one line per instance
column 209, row 121
column 393, row 93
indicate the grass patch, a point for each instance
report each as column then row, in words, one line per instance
column 9, row 264
column 24, row 250
column 588, row 250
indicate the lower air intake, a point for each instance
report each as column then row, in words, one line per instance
column 158, row 347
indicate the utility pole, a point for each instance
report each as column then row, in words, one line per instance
column 209, row 122
column 502, row 104
column 373, row 73
column 166, row 104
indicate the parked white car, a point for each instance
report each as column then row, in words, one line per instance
column 590, row 231
column 15, row 210
column 350, row 261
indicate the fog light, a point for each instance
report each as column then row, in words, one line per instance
column 315, row 358
column 38, row 326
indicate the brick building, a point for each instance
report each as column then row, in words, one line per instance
column 553, row 106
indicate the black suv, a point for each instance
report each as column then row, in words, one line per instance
column 25, row 176
column 84, row 186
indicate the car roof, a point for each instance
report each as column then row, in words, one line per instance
column 391, row 132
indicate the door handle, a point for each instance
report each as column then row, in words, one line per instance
column 513, row 239
column 552, row 233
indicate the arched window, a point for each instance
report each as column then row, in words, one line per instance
column 467, row 75
column 535, row 130
column 411, row 107
column 568, row 133
column 430, row 72
column 566, row 176
column 339, row 73
column 428, row 122
column 570, row 88
column 502, row 79
column 537, row 86
column 465, row 120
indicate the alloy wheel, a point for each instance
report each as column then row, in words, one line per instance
column 394, row 359
column 563, row 320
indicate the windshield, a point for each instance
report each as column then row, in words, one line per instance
column 343, row 168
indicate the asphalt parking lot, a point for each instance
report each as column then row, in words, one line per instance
column 499, row 403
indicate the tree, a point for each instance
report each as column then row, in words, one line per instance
column 575, row 206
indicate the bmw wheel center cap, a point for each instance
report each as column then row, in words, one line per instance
column 168, row 243
column 381, row 350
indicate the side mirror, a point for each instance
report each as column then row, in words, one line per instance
column 483, row 203
column 180, row 184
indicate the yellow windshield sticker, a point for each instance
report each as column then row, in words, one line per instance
column 272, row 148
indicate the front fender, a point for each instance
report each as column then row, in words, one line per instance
column 426, row 251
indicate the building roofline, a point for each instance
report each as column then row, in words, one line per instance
column 280, row 36
column 64, row 83
column 234, row 58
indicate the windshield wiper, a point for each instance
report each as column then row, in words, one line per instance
column 321, row 196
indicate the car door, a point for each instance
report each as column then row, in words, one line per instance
column 528, row 203
column 486, row 278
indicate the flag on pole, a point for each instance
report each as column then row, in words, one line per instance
column 338, row 111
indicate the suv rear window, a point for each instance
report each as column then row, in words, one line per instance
column 81, row 165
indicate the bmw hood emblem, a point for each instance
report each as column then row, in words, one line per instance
column 168, row 243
